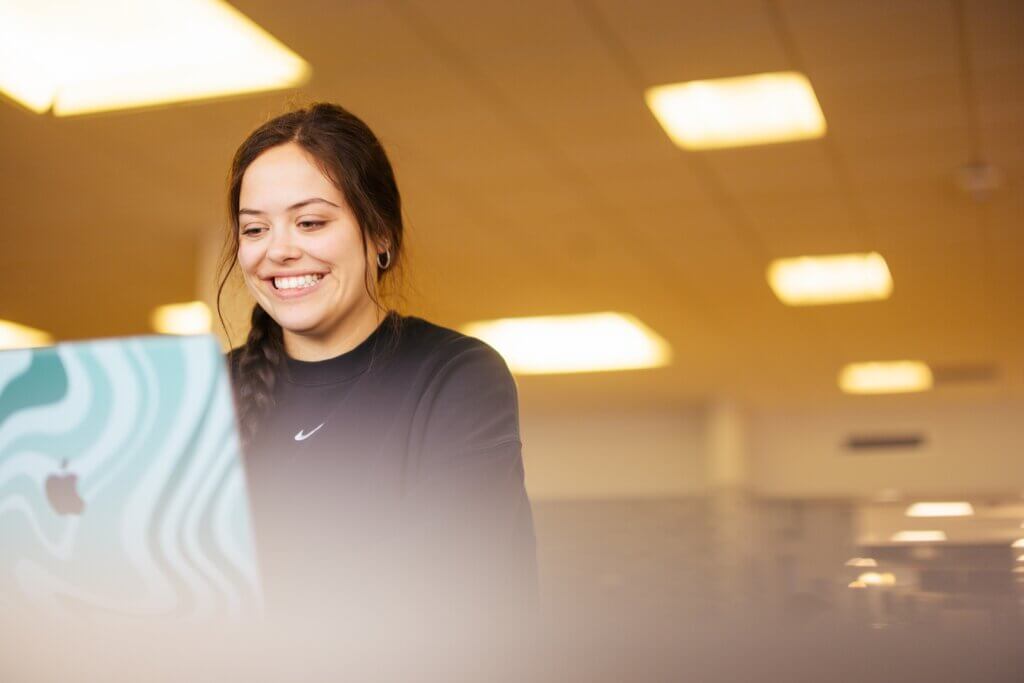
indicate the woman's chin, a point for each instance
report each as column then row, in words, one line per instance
column 306, row 327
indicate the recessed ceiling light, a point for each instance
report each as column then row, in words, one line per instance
column 955, row 509
column 877, row 579
column 861, row 562
column 573, row 343
column 885, row 377
column 84, row 57
column 187, row 318
column 833, row 279
column 733, row 112
column 16, row 336
column 918, row 536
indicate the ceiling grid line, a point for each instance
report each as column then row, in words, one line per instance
column 721, row 198
column 975, row 151
column 476, row 209
column 719, row 195
column 857, row 213
column 538, row 140
column 967, row 89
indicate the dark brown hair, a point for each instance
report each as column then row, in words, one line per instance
column 351, row 157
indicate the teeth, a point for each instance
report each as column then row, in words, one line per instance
column 297, row 282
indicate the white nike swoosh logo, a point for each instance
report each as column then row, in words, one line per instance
column 302, row 437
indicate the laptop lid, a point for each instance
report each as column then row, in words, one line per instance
column 122, row 493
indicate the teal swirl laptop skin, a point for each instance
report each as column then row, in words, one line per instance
column 122, row 492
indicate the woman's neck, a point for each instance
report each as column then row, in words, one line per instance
column 352, row 332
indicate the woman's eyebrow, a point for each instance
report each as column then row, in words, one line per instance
column 297, row 205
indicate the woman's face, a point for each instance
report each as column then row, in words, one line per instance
column 300, row 251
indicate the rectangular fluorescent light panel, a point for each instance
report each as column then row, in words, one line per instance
column 573, row 343
column 17, row 336
column 835, row 279
column 734, row 112
column 885, row 378
column 954, row 509
column 919, row 536
column 188, row 318
column 862, row 562
column 877, row 579
column 102, row 55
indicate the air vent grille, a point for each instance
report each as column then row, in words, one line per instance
column 870, row 442
column 964, row 373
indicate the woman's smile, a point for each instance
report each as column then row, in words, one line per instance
column 294, row 286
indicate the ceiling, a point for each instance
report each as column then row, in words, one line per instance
column 536, row 181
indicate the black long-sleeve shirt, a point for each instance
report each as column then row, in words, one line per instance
column 388, row 483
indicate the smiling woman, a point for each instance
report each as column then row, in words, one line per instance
column 288, row 252
column 382, row 452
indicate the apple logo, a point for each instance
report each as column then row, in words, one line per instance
column 61, row 491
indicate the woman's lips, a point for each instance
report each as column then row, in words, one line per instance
column 294, row 293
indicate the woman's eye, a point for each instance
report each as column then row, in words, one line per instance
column 313, row 224
column 249, row 232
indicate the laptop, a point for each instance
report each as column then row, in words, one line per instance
column 122, row 493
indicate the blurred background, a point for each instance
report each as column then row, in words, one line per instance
column 538, row 181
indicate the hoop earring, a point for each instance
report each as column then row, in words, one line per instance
column 387, row 262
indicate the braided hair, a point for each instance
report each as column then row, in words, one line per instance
column 351, row 156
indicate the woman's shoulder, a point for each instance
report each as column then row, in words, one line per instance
column 445, row 346
column 465, row 387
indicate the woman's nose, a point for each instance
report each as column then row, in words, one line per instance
column 282, row 247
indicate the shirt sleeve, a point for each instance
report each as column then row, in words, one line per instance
column 466, row 506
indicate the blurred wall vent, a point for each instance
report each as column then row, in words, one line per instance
column 880, row 442
column 964, row 373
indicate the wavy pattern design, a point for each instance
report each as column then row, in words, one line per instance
column 148, row 428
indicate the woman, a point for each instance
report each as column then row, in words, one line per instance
column 382, row 452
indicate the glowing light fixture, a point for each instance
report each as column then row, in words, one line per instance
column 877, row 579
column 833, row 279
column 573, row 343
column 1019, row 543
column 856, row 584
column 733, row 112
column 919, row 536
column 861, row 562
column 885, row 378
column 84, row 57
column 16, row 336
column 188, row 318
column 957, row 509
